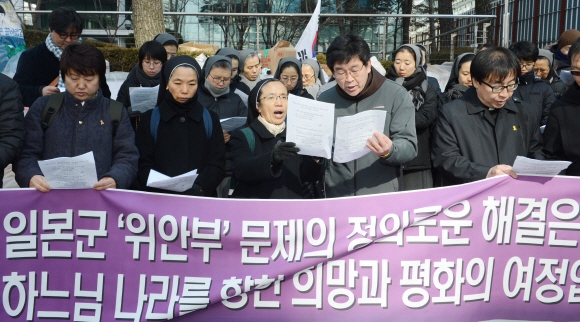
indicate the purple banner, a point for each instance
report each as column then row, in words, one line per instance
column 501, row 248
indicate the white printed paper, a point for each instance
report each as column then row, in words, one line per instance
column 179, row 183
column 77, row 172
column 310, row 125
column 524, row 166
column 233, row 123
column 352, row 133
column 143, row 98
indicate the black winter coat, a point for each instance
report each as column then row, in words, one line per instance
column 255, row 175
column 37, row 67
column 225, row 106
column 425, row 117
column 468, row 140
column 136, row 78
column 11, row 123
column 537, row 94
column 182, row 146
column 562, row 133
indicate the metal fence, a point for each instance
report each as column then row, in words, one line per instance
column 383, row 32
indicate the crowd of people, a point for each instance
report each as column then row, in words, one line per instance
column 498, row 104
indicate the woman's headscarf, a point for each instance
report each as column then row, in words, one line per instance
column 411, row 83
column 244, row 55
column 228, row 51
column 207, row 68
column 291, row 62
column 166, row 72
column 550, row 57
column 253, row 99
column 317, row 69
column 454, row 76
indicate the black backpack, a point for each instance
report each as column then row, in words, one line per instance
column 55, row 102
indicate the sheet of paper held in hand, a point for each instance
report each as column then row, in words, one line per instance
column 143, row 98
column 524, row 166
column 179, row 183
column 77, row 172
column 233, row 123
column 310, row 125
column 352, row 133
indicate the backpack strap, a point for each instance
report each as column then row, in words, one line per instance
column 250, row 138
column 51, row 108
column 207, row 123
column 115, row 113
column 154, row 123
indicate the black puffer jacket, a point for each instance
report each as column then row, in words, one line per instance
column 136, row 78
column 536, row 93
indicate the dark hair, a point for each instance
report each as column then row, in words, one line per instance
column 221, row 64
column 574, row 50
column 525, row 50
column 64, row 18
column 233, row 57
column 486, row 45
column 83, row 59
column 497, row 62
column 152, row 50
column 465, row 59
column 290, row 64
column 407, row 49
column 344, row 48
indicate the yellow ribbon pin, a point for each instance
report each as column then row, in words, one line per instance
column 515, row 128
column 104, row 123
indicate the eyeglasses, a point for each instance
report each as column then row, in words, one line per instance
column 307, row 77
column 272, row 97
column 155, row 63
column 341, row 73
column 499, row 89
column 71, row 36
column 526, row 65
column 292, row 80
column 575, row 72
column 218, row 80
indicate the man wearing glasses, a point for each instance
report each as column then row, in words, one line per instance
column 38, row 68
column 359, row 87
column 532, row 89
column 480, row 135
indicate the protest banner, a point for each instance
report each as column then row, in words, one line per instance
column 500, row 248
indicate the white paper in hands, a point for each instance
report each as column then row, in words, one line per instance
column 352, row 133
column 524, row 166
column 143, row 98
column 77, row 172
column 179, row 183
column 310, row 126
column 232, row 123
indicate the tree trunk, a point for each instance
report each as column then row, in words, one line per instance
column 407, row 9
column 340, row 19
column 431, row 28
column 446, row 24
column 147, row 20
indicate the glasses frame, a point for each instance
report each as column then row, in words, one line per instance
column 273, row 97
column 343, row 74
column 499, row 89
column 153, row 63
column 220, row 80
column 72, row 36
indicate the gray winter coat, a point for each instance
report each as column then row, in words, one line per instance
column 371, row 174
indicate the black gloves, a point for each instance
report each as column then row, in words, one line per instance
column 284, row 150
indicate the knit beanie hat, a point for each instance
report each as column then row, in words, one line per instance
column 568, row 37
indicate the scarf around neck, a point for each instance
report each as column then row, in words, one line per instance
column 412, row 84
column 251, row 84
column 57, row 52
column 374, row 82
column 272, row 128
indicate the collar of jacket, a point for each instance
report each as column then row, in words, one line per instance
column 527, row 78
column 572, row 95
column 475, row 106
column 261, row 130
column 167, row 113
column 91, row 104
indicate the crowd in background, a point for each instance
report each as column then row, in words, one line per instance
column 498, row 104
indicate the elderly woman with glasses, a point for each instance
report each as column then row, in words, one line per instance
column 480, row 134
column 289, row 71
column 265, row 165
column 312, row 77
